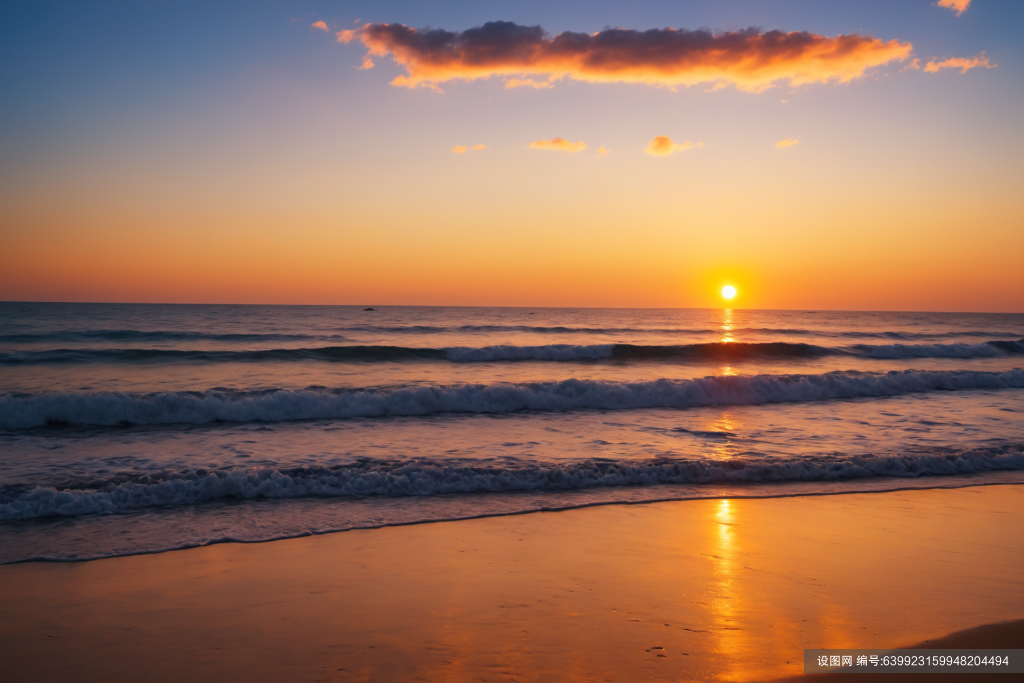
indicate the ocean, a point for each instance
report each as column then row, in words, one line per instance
column 141, row 428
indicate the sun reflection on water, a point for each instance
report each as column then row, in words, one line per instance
column 727, row 329
column 727, row 326
column 722, row 448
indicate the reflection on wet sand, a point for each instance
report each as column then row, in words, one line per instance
column 728, row 630
column 712, row 590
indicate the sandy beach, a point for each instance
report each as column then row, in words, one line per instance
column 724, row 590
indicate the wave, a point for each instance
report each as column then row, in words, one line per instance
column 328, row 353
column 20, row 411
column 733, row 351
column 158, row 336
column 989, row 349
column 427, row 478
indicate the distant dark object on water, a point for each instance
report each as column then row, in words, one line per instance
column 369, row 309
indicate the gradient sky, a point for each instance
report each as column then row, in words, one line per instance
column 233, row 152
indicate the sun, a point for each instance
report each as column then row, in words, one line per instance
column 728, row 291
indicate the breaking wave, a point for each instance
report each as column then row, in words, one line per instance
column 19, row 411
column 734, row 351
column 428, row 478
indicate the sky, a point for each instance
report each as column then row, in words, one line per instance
column 815, row 155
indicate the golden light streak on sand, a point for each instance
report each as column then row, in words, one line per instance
column 739, row 586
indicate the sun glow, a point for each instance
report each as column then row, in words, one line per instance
column 728, row 291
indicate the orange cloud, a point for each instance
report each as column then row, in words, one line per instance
column 320, row 25
column 462, row 149
column 601, row 151
column 788, row 142
column 958, row 6
column 367, row 63
column 962, row 63
column 558, row 144
column 527, row 83
column 749, row 59
column 663, row 145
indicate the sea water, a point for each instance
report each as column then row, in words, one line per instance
column 141, row 428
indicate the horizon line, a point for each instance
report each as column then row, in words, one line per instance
column 608, row 308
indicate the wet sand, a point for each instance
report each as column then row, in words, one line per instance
column 729, row 590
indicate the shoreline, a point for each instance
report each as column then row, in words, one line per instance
column 1016, row 476
column 701, row 590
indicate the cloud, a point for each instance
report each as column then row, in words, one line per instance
column 367, row 63
column 320, row 25
column 663, row 145
column 527, row 83
column 601, row 151
column 477, row 148
column 958, row 6
column 459, row 149
column 558, row 144
column 962, row 63
column 788, row 142
column 749, row 59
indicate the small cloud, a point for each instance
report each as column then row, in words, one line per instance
column 526, row 83
column 914, row 65
column 788, row 142
column 601, row 151
column 722, row 85
column 347, row 36
column 367, row 63
column 320, row 25
column 958, row 6
column 459, row 149
column 477, row 148
column 962, row 63
column 663, row 145
column 558, row 144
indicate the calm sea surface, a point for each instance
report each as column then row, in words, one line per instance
column 138, row 428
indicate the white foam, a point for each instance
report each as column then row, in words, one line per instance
column 417, row 479
column 983, row 350
column 572, row 394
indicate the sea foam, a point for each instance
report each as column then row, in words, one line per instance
column 426, row 479
column 109, row 409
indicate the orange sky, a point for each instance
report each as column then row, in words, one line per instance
column 879, row 185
